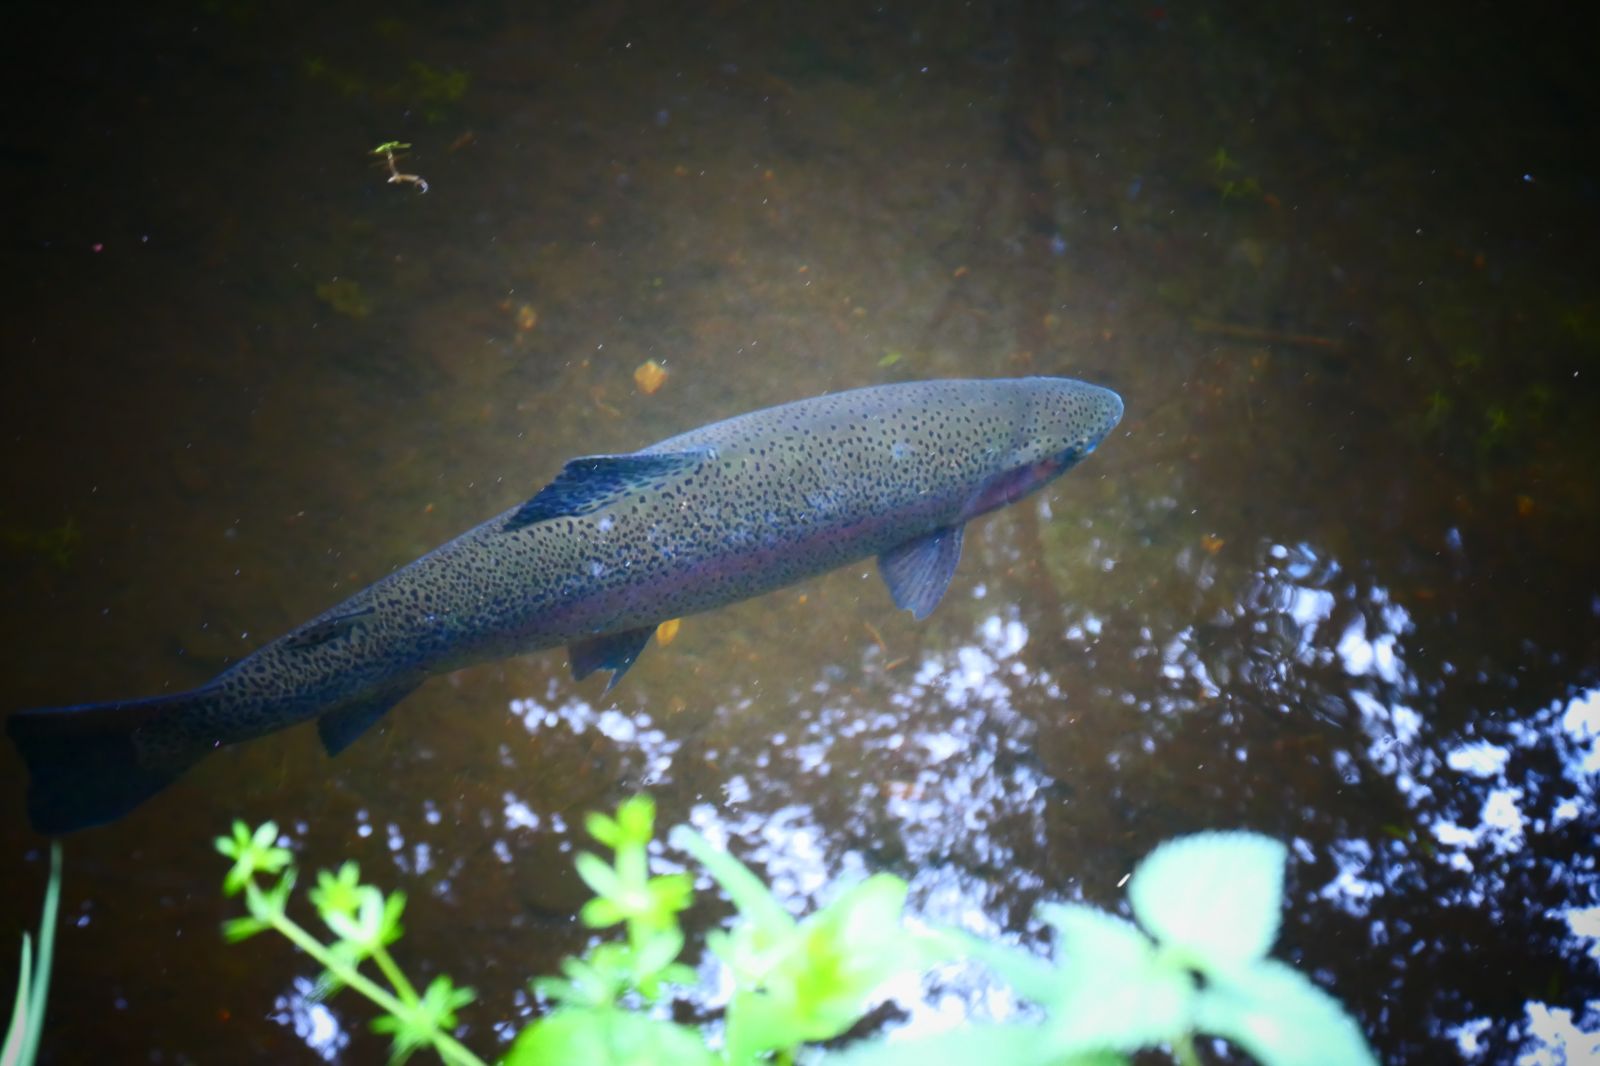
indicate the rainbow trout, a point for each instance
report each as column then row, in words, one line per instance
column 613, row 546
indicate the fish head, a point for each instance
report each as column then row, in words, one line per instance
column 1062, row 421
column 1068, row 419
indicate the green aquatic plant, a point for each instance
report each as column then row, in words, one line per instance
column 21, row 1045
column 807, row 980
column 389, row 151
column 58, row 544
column 1194, row 963
column 364, row 922
column 436, row 85
column 347, row 298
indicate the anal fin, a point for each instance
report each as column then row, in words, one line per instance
column 340, row 727
column 610, row 651
column 918, row 571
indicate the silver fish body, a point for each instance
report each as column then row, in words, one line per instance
column 612, row 547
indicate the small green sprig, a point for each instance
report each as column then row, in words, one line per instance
column 590, row 1023
column 21, row 1044
column 364, row 923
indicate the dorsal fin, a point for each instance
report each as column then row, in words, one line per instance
column 328, row 629
column 590, row 482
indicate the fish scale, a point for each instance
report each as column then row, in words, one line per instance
column 613, row 546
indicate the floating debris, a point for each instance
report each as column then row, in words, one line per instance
column 345, row 297
column 387, row 149
column 649, row 376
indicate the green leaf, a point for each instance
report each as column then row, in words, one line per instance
column 16, row 1028
column 604, row 828
column 1114, row 992
column 251, row 852
column 269, row 902
column 390, row 929
column 1281, row 1018
column 595, row 981
column 814, row 980
column 1032, row 978
column 337, row 893
column 847, row 950
column 601, row 912
column 237, row 929
column 598, row 875
column 653, row 961
column 747, row 891
column 634, row 824
column 636, row 817
column 669, row 894
column 426, row 1020
column 21, row 1044
column 1216, row 895
column 362, row 923
column 607, row 1037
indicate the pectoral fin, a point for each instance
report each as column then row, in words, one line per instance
column 612, row 651
column 339, row 728
column 591, row 482
column 918, row 571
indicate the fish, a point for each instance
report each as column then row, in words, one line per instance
column 613, row 546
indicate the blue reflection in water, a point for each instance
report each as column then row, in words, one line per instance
column 301, row 1010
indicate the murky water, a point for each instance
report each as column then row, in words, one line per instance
column 1332, row 580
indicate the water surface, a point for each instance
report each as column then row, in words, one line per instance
column 1332, row 580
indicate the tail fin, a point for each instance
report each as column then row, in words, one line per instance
column 85, row 766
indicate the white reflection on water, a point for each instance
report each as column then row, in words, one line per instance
column 301, row 1010
column 1553, row 1035
column 953, row 737
column 635, row 730
column 1441, row 778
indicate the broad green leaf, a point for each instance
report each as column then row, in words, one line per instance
column 1281, row 1018
column 844, row 952
column 1114, row 993
column 1029, row 976
column 606, row 1038
column 1216, row 895
column 762, row 1020
column 747, row 891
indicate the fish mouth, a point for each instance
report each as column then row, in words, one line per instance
column 1109, row 405
column 1112, row 404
